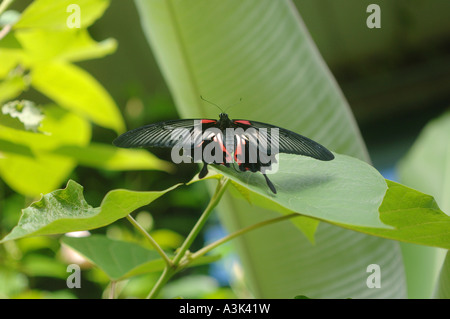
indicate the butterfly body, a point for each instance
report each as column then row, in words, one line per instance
column 252, row 145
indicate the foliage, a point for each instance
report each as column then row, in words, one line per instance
column 40, row 145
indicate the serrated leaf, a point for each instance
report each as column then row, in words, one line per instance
column 66, row 210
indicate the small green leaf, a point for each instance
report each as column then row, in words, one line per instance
column 52, row 14
column 66, row 210
column 63, row 83
column 116, row 258
column 414, row 217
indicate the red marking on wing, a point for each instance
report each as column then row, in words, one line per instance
column 224, row 149
column 208, row 121
column 243, row 122
column 238, row 151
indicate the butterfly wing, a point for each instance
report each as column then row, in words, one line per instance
column 166, row 134
column 288, row 142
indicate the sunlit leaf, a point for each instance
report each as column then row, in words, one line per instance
column 76, row 90
column 67, row 45
column 51, row 14
column 27, row 166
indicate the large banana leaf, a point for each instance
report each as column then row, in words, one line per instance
column 260, row 51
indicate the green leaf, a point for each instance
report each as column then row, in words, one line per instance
column 443, row 284
column 261, row 51
column 10, row 59
column 67, row 45
column 28, row 167
column 342, row 191
column 63, row 82
column 116, row 258
column 414, row 216
column 11, row 87
column 120, row 259
column 51, row 14
column 66, row 210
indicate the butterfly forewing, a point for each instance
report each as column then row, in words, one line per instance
column 165, row 134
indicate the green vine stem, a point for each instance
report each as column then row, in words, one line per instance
column 237, row 233
column 150, row 239
column 220, row 189
column 172, row 268
column 183, row 258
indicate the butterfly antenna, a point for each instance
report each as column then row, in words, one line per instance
column 230, row 106
column 221, row 110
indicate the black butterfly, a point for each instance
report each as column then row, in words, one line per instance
column 252, row 145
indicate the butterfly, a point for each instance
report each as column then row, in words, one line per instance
column 251, row 144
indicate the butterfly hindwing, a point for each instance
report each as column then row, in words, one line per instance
column 288, row 142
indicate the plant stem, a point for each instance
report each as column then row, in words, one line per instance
column 4, row 5
column 242, row 231
column 172, row 267
column 150, row 239
column 167, row 273
column 220, row 189
column 112, row 290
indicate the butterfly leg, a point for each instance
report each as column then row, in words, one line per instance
column 269, row 183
